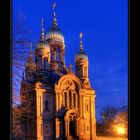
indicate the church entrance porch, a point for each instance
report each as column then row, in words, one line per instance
column 71, row 125
column 72, row 128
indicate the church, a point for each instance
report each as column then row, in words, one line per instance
column 62, row 100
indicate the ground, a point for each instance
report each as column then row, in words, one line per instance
column 110, row 138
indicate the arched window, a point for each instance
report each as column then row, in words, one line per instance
column 46, row 106
column 74, row 100
column 65, row 99
column 45, row 62
column 70, row 98
column 85, row 71
column 52, row 56
column 57, row 54
column 86, row 108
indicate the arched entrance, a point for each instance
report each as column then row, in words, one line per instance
column 71, row 124
column 72, row 128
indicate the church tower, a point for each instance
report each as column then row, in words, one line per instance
column 81, row 62
column 63, row 101
column 55, row 39
column 42, row 52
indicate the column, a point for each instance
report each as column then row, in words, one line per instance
column 67, row 100
column 82, row 107
column 66, row 131
column 62, row 100
column 76, row 103
column 56, row 103
column 72, row 101
column 77, row 127
column 68, row 128
column 91, row 108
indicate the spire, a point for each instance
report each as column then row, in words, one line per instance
column 42, row 30
column 81, row 43
column 54, row 16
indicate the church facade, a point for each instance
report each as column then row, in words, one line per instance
column 63, row 101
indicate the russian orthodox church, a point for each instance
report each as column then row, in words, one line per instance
column 63, row 102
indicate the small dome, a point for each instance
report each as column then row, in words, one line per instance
column 54, row 32
column 81, row 55
column 43, row 45
column 42, row 49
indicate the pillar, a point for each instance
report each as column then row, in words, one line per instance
column 68, row 128
column 80, row 105
column 67, row 100
column 77, row 127
column 76, row 101
column 72, row 101
column 56, row 103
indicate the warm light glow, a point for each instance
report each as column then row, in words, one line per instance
column 121, row 130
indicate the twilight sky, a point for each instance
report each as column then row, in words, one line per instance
column 104, row 24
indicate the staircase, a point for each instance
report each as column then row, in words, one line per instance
column 72, row 138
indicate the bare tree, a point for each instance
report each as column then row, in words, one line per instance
column 20, row 52
column 108, row 113
column 110, row 118
column 20, row 49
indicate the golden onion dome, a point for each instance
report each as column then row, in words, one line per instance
column 81, row 56
column 43, row 45
column 54, row 33
column 42, row 49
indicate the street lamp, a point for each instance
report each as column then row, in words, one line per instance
column 120, row 131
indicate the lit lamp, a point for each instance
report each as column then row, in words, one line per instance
column 120, row 130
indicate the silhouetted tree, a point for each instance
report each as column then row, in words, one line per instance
column 20, row 51
column 110, row 118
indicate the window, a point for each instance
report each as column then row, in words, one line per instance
column 52, row 56
column 45, row 62
column 86, row 107
column 74, row 100
column 47, row 129
column 85, row 71
column 70, row 100
column 65, row 98
column 46, row 106
column 57, row 54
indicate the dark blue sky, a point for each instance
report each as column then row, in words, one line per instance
column 104, row 24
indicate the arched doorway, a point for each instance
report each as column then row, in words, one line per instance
column 71, row 119
column 72, row 128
